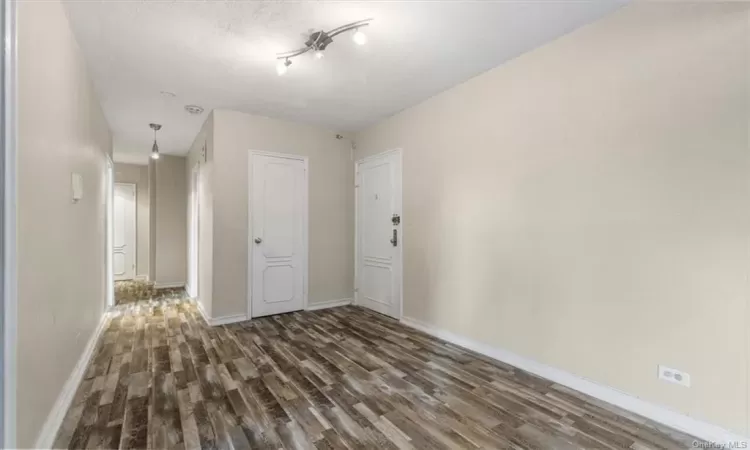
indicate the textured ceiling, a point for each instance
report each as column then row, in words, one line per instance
column 220, row 54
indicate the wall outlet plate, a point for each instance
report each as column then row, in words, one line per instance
column 674, row 376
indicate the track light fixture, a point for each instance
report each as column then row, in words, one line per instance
column 318, row 42
column 155, row 148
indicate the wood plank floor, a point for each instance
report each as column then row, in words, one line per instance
column 337, row 378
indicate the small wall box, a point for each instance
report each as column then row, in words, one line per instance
column 76, row 185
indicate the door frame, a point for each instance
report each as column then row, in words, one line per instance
column 399, row 151
column 194, row 233
column 109, row 229
column 135, row 227
column 8, row 217
column 305, row 224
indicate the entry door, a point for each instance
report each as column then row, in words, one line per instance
column 379, row 237
column 278, row 239
column 123, row 256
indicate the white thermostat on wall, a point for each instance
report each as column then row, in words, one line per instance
column 76, row 185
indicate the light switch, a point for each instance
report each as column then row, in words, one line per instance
column 76, row 187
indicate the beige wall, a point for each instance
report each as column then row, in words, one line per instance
column 171, row 226
column 61, row 245
column 331, row 205
column 205, row 200
column 586, row 205
column 138, row 175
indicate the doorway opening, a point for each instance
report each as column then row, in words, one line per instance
column 124, row 243
column 130, row 247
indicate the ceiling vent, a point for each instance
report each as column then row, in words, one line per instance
column 194, row 109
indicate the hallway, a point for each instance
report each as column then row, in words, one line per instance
column 335, row 378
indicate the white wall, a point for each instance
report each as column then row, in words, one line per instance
column 171, row 226
column 61, row 245
column 138, row 175
column 331, row 205
column 205, row 200
column 586, row 205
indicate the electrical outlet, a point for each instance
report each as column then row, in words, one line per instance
column 674, row 376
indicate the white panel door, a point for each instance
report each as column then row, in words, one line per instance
column 378, row 284
column 278, row 236
column 123, row 254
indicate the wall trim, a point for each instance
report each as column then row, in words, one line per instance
column 665, row 416
column 202, row 311
column 8, row 221
column 49, row 430
column 329, row 304
column 223, row 320
column 179, row 284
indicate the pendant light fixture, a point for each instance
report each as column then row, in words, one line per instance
column 318, row 42
column 155, row 149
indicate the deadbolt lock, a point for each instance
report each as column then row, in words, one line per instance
column 396, row 219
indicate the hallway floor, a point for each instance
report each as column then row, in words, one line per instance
column 336, row 378
column 130, row 291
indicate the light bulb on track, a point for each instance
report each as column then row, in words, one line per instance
column 283, row 66
column 360, row 37
column 319, row 54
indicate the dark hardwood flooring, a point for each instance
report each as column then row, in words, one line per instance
column 131, row 291
column 331, row 379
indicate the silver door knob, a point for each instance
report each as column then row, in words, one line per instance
column 258, row 240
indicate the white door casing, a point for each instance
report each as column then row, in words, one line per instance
column 193, row 234
column 378, row 261
column 277, row 237
column 123, row 246
column 109, row 234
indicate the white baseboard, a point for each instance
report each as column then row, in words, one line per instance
column 202, row 311
column 141, row 278
column 665, row 416
column 329, row 304
column 178, row 284
column 224, row 320
column 49, row 430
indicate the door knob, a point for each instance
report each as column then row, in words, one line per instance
column 258, row 240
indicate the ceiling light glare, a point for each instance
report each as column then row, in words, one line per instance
column 283, row 66
column 360, row 38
